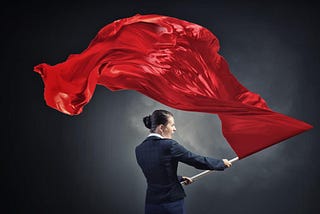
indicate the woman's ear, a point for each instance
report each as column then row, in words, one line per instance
column 161, row 126
column 159, row 129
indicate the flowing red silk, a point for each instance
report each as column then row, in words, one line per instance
column 176, row 63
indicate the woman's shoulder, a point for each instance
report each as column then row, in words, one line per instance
column 168, row 142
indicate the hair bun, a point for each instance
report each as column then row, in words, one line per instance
column 147, row 121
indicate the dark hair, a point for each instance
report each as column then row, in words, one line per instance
column 158, row 117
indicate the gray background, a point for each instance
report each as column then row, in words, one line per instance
column 55, row 163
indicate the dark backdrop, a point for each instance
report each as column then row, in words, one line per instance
column 55, row 163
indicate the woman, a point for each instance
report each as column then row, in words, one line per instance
column 158, row 156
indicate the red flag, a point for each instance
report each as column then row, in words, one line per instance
column 176, row 63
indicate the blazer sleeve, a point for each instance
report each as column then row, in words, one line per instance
column 181, row 154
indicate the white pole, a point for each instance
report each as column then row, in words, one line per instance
column 197, row 176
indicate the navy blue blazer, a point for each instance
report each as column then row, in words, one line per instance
column 158, row 159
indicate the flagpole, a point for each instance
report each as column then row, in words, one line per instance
column 206, row 172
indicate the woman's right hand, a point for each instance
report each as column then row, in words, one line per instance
column 227, row 163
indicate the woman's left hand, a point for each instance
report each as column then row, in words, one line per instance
column 186, row 180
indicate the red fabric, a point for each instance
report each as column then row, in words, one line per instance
column 176, row 63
